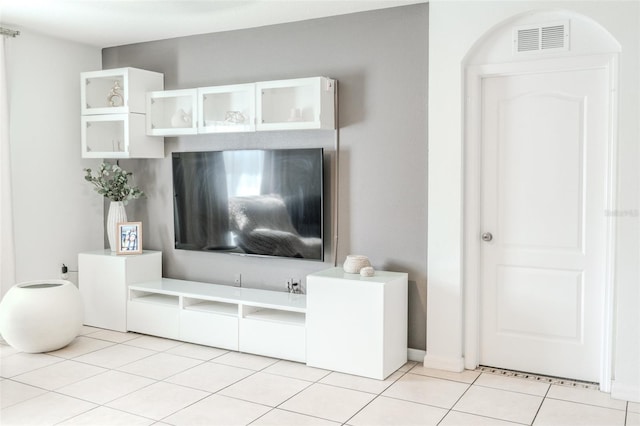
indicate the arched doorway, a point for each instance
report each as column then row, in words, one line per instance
column 539, row 173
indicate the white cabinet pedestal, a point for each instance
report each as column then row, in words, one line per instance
column 357, row 325
column 104, row 280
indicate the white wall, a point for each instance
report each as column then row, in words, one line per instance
column 454, row 28
column 55, row 212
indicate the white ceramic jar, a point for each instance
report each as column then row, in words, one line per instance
column 354, row 263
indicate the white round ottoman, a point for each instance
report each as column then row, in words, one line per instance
column 41, row 316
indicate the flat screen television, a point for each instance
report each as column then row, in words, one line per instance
column 252, row 202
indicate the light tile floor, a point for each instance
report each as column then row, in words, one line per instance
column 110, row 378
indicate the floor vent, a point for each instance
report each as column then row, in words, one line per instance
column 543, row 379
column 551, row 37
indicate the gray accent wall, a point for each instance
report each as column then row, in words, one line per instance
column 380, row 60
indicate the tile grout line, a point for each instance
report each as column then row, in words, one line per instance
column 107, row 369
column 404, row 373
column 201, row 390
column 107, row 407
column 587, row 404
column 519, row 392
column 626, row 414
column 113, row 369
column 60, row 360
column 311, row 383
column 459, row 398
column 96, row 405
column 318, row 381
column 254, row 372
column 541, row 403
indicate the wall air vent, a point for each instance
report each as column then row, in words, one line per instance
column 550, row 37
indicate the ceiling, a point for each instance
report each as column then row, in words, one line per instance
column 106, row 23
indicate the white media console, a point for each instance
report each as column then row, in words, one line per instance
column 348, row 323
column 262, row 322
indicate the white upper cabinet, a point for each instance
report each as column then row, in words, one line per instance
column 113, row 107
column 118, row 136
column 223, row 109
column 172, row 112
column 118, row 90
column 303, row 103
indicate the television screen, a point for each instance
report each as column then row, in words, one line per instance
column 256, row 202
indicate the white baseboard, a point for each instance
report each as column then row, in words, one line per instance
column 625, row 391
column 416, row 355
column 454, row 364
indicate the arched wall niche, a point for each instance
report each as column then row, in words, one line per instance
column 586, row 37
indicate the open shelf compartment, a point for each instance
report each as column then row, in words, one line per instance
column 154, row 298
column 274, row 315
column 210, row 306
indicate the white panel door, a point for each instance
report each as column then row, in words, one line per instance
column 544, row 156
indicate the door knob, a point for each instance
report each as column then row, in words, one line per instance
column 487, row 236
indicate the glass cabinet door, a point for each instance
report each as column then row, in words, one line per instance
column 226, row 109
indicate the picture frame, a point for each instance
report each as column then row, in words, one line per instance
column 129, row 238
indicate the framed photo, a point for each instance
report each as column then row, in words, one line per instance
column 129, row 238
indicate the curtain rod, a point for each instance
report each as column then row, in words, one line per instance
column 9, row 32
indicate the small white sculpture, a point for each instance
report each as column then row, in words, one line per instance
column 354, row 263
column 115, row 98
column 234, row 117
column 181, row 119
column 367, row 271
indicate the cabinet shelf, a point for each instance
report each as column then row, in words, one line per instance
column 155, row 298
column 276, row 315
column 209, row 306
column 273, row 332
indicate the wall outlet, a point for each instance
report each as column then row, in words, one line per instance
column 237, row 279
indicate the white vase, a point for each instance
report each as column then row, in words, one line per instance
column 41, row 316
column 116, row 214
